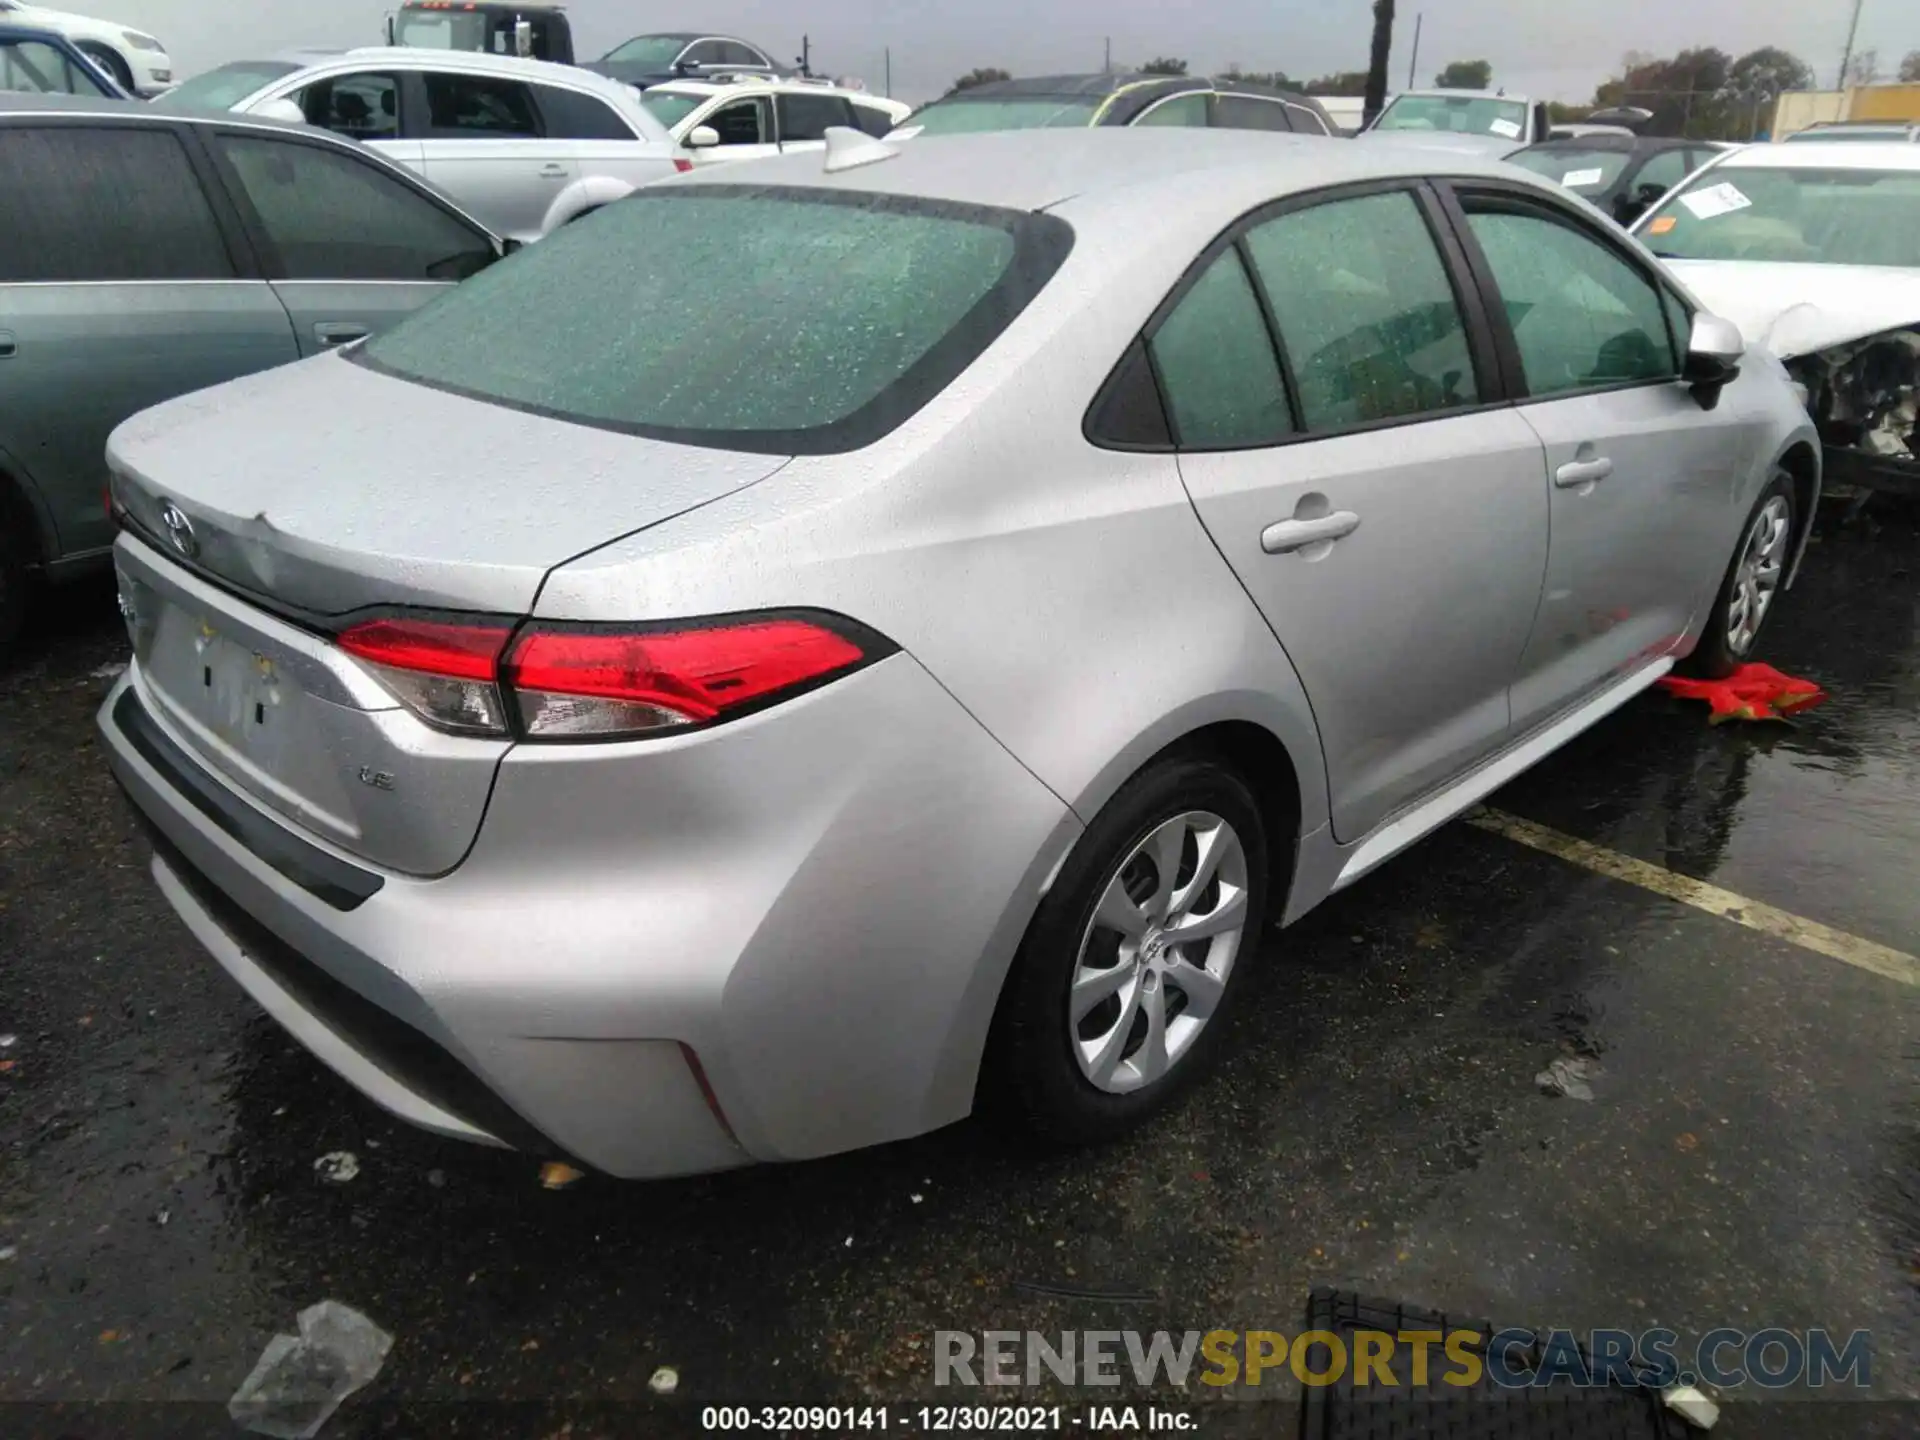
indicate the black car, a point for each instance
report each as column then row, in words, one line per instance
column 1124, row 99
column 1621, row 174
column 681, row 55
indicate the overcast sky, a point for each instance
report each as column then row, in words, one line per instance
column 1548, row 50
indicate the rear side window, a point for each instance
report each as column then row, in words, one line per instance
column 573, row 116
column 1582, row 317
column 332, row 217
column 778, row 320
column 806, row 117
column 1248, row 112
column 465, row 107
column 104, row 204
column 360, row 107
column 1366, row 312
column 732, row 52
column 872, row 119
column 1217, row 364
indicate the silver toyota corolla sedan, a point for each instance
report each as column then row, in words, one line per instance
column 817, row 646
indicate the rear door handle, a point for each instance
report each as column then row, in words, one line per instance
column 551, row 171
column 1286, row 536
column 1582, row 472
column 7, row 345
column 330, row 334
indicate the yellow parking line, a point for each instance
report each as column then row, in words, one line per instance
column 1807, row 934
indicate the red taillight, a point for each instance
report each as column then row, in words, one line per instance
column 572, row 682
column 685, row 167
column 443, row 672
column 575, row 682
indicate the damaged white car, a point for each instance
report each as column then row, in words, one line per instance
column 1814, row 251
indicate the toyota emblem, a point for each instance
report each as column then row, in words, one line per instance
column 179, row 529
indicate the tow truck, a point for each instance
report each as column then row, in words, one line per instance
column 538, row 32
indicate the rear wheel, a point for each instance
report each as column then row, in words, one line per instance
column 1753, row 583
column 1117, row 999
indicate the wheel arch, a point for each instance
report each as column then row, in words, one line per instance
column 1801, row 460
column 21, row 504
column 587, row 193
column 118, row 67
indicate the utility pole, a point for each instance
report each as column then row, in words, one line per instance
column 889, row 72
column 1846, row 56
column 806, row 56
column 1376, row 100
column 1413, row 65
column 1106, row 65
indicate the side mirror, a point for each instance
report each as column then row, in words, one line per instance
column 702, row 137
column 1714, row 351
column 286, row 110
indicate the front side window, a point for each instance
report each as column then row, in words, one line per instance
column 670, row 107
column 224, row 87
column 332, row 217
column 1456, row 115
column 958, row 115
column 806, row 117
column 1582, row 317
column 467, row 107
column 744, row 122
column 1664, row 171
column 1180, row 110
column 776, row 320
column 1811, row 215
column 118, row 203
column 34, row 68
column 707, row 52
column 732, row 52
column 1366, row 312
column 1248, row 112
column 1217, row 365
column 1307, row 122
column 360, row 107
column 649, row 52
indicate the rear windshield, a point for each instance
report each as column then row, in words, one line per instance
column 1838, row 216
column 772, row 319
column 1456, row 115
column 670, row 108
column 1587, row 172
column 961, row 116
column 225, row 87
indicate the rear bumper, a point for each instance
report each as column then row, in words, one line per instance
column 818, row 903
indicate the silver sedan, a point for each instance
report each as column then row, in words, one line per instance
column 817, row 648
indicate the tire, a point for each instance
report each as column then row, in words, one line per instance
column 1079, row 1082
column 1756, row 574
column 16, row 574
column 111, row 62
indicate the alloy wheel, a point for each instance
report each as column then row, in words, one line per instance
column 1756, row 578
column 1154, row 959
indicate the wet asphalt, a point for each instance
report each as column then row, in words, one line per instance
column 1750, row 1157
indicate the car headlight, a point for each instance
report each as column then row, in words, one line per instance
column 141, row 42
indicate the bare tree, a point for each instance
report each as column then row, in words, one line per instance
column 1862, row 69
column 985, row 75
column 1910, row 67
column 1164, row 65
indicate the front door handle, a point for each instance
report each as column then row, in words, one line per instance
column 8, row 347
column 1286, row 536
column 1582, row 472
column 330, row 334
column 551, row 171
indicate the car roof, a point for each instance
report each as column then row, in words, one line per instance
column 746, row 85
column 1463, row 94
column 14, row 102
column 1053, row 87
column 1833, row 155
column 1606, row 140
column 1035, row 169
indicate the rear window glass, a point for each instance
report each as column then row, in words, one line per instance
column 962, row 116
column 223, row 88
column 773, row 319
column 1586, row 172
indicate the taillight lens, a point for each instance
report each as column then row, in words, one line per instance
column 445, row 673
column 576, row 683
column 585, row 682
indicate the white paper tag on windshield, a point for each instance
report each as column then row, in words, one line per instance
column 1574, row 179
column 1715, row 200
column 1504, row 127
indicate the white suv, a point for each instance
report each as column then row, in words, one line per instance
column 523, row 145
column 744, row 116
column 133, row 58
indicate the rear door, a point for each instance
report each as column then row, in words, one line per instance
column 1639, row 477
column 588, row 131
column 1250, row 112
column 121, row 285
column 349, row 247
column 482, row 141
column 1382, row 505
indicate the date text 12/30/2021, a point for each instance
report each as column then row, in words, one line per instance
column 943, row 1419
